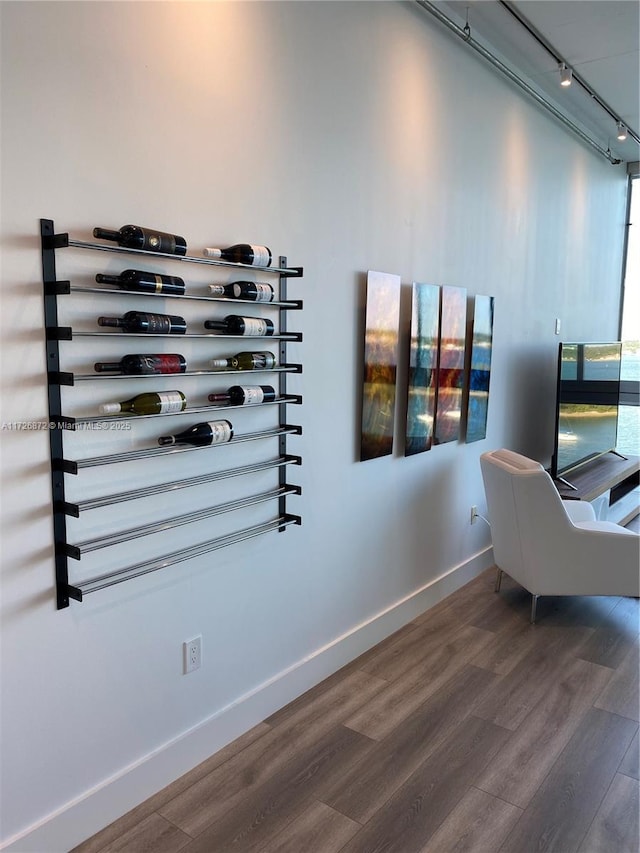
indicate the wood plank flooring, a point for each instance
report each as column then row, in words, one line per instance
column 467, row 730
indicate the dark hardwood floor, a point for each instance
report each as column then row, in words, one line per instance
column 467, row 730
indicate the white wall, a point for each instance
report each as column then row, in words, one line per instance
column 349, row 136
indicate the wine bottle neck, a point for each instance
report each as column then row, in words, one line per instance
column 106, row 234
column 220, row 325
column 110, row 321
column 110, row 408
column 212, row 253
column 107, row 279
column 166, row 440
column 106, row 366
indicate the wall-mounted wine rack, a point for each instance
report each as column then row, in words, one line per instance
column 61, row 423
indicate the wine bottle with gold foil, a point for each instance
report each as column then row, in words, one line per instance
column 145, row 282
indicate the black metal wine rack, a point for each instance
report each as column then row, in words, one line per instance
column 61, row 466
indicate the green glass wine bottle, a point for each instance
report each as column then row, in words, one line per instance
column 246, row 361
column 164, row 402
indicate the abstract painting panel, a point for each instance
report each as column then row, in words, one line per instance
column 423, row 364
column 451, row 373
column 480, row 371
column 380, row 364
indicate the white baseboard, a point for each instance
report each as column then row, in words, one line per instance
column 113, row 797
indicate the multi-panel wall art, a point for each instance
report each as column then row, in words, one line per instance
column 380, row 364
column 436, row 366
column 423, row 367
column 451, row 373
column 480, row 370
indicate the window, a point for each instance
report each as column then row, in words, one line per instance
column 629, row 421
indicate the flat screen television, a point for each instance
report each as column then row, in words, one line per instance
column 588, row 392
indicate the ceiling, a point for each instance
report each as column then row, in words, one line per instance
column 598, row 39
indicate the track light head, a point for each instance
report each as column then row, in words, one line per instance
column 565, row 75
column 622, row 132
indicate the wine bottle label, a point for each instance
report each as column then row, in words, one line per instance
column 255, row 326
column 217, row 289
column 170, row 402
column 158, row 323
column 220, row 431
column 261, row 256
column 267, row 360
column 159, row 364
column 263, row 360
column 264, row 292
column 252, row 394
column 158, row 242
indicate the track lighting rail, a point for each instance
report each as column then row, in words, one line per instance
column 533, row 32
column 465, row 35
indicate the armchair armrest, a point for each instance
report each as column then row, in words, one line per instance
column 579, row 511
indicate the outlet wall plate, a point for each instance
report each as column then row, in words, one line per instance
column 192, row 654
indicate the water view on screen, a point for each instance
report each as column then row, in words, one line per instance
column 478, row 405
column 589, row 383
column 380, row 364
column 423, row 362
column 453, row 323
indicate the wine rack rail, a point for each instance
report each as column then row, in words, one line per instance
column 62, row 466
column 74, row 509
column 143, row 568
column 80, row 548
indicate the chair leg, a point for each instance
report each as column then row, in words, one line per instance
column 498, row 581
column 534, row 604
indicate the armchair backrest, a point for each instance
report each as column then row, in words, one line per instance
column 526, row 513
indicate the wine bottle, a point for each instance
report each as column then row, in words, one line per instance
column 244, row 395
column 146, row 282
column 251, row 290
column 135, row 237
column 164, row 402
column 141, row 365
column 236, row 325
column 242, row 253
column 152, row 324
column 200, row 435
column 246, row 361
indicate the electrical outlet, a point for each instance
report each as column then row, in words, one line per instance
column 473, row 515
column 192, row 653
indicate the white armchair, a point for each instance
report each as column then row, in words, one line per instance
column 551, row 546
